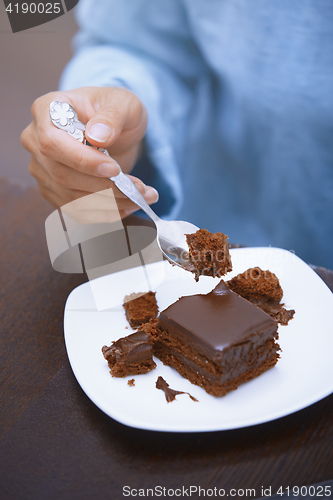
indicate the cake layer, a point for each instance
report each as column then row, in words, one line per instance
column 215, row 384
column 263, row 289
column 256, row 283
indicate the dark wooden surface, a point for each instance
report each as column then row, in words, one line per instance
column 55, row 444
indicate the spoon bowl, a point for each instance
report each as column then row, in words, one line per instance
column 171, row 235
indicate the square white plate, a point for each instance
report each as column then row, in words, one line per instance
column 302, row 376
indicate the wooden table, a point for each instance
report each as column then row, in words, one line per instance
column 56, row 444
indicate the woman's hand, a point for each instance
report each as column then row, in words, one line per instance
column 65, row 169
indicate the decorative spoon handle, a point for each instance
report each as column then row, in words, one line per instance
column 64, row 116
column 126, row 186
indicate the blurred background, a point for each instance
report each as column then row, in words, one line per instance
column 31, row 62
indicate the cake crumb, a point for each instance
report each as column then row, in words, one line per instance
column 131, row 382
column 140, row 308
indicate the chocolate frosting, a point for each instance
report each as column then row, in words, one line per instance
column 130, row 355
column 170, row 394
column 128, row 343
column 217, row 320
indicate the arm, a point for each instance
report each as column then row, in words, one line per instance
column 119, row 49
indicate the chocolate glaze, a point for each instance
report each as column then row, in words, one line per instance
column 130, row 355
column 217, row 320
column 133, row 344
column 170, row 394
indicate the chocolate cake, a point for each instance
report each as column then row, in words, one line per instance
column 140, row 308
column 217, row 341
column 208, row 253
column 131, row 355
column 263, row 289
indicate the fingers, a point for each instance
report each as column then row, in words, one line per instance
column 60, row 173
column 64, row 186
column 119, row 121
column 92, row 208
column 116, row 108
column 60, row 147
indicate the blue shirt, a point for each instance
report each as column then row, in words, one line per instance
column 239, row 96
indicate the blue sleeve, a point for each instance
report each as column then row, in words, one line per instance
column 144, row 46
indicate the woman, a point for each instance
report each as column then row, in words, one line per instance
column 238, row 104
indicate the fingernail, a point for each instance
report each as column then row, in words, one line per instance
column 108, row 169
column 152, row 194
column 99, row 132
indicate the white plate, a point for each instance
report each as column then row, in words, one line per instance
column 302, row 376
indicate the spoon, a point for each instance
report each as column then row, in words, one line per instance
column 170, row 234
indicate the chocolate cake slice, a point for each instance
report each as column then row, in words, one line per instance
column 216, row 341
column 131, row 355
column 140, row 308
column 263, row 289
column 208, row 253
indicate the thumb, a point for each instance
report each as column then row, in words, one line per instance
column 121, row 114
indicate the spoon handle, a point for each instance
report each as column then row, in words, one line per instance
column 126, row 186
